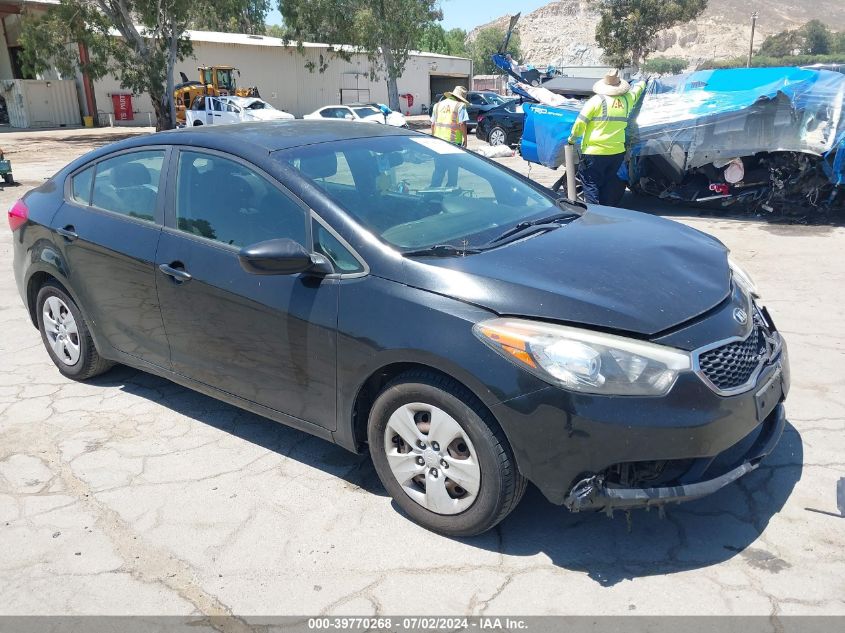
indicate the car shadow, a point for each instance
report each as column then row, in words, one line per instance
column 688, row 536
column 357, row 470
column 608, row 549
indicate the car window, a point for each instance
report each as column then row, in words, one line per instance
column 334, row 113
column 128, row 184
column 199, row 103
column 414, row 191
column 331, row 247
column 231, row 107
column 365, row 112
column 80, row 186
column 216, row 105
column 228, row 202
column 476, row 99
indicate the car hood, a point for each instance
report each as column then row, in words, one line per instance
column 610, row 268
column 269, row 115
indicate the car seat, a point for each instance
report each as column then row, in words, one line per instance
column 132, row 189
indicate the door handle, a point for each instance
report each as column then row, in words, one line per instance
column 177, row 275
column 68, row 232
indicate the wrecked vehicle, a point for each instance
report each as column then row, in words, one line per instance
column 769, row 139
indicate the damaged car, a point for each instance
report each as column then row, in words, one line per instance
column 767, row 139
column 401, row 296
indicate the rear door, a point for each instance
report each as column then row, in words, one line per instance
column 269, row 339
column 108, row 229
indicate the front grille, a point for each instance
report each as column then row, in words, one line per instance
column 732, row 365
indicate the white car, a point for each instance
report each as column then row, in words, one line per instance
column 358, row 112
column 222, row 110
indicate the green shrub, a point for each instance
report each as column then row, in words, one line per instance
column 665, row 65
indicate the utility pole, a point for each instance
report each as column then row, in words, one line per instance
column 751, row 46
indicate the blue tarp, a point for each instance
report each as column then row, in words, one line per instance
column 716, row 115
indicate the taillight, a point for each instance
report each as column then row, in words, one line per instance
column 18, row 215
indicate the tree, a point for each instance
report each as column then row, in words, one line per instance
column 781, row 44
column 627, row 28
column 486, row 42
column 816, row 38
column 665, row 65
column 385, row 30
column 275, row 30
column 436, row 39
column 837, row 43
column 456, row 42
column 230, row 16
column 151, row 40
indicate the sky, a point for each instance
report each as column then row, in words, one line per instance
column 466, row 14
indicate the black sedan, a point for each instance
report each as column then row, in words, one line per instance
column 395, row 294
column 480, row 103
column 502, row 126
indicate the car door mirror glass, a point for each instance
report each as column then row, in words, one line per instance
column 348, row 117
column 282, row 256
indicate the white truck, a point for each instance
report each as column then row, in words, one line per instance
column 230, row 109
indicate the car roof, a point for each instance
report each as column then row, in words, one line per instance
column 260, row 138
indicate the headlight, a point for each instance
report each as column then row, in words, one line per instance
column 583, row 360
column 743, row 279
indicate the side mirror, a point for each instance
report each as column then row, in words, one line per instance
column 349, row 117
column 282, row 257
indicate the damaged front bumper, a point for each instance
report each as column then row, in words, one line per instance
column 594, row 493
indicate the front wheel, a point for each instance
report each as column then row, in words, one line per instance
column 441, row 455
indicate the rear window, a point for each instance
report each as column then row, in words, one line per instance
column 80, row 186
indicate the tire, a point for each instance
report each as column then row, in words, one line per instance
column 196, row 123
column 74, row 353
column 420, row 398
column 8, row 179
column 497, row 136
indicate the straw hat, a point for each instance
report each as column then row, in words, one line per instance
column 611, row 85
column 459, row 93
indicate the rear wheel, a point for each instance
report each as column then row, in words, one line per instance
column 8, row 179
column 66, row 336
column 497, row 136
column 441, row 455
column 196, row 123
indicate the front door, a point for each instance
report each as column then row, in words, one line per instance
column 110, row 226
column 269, row 339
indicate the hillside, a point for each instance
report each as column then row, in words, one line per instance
column 562, row 32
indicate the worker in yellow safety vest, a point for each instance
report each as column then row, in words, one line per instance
column 449, row 122
column 602, row 126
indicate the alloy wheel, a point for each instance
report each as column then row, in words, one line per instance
column 61, row 330
column 497, row 136
column 432, row 458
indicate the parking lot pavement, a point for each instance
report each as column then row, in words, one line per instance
column 130, row 494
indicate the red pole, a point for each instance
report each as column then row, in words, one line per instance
column 86, row 83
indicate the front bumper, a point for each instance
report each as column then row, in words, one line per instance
column 570, row 444
column 593, row 493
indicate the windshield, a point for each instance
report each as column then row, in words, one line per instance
column 367, row 111
column 416, row 191
column 492, row 97
column 260, row 105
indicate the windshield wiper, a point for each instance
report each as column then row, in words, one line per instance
column 442, row 250
column 548, row 223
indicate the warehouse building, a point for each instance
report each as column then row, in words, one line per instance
column 279, row 72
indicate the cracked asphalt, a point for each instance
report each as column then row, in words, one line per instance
column 132, row 495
